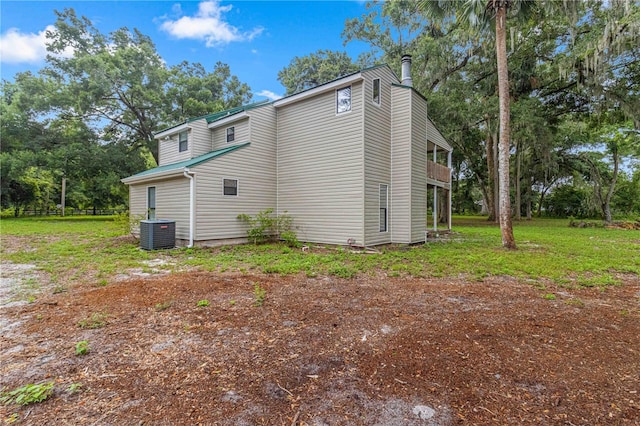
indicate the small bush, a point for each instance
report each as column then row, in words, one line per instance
column 82, row 348
column 97, row 320
column 28, row 394
column 266, row 227
column 260, row 294
column 203, row 303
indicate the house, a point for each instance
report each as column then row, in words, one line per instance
column 356, row 160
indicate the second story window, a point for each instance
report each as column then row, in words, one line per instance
column 231, row 134
column 376, row 91
column 343, row 97
column 183, row 143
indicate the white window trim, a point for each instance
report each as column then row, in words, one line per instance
column 386, row 207
column 237, row 186
column 187, row 149
column 373, row 84
column 335, row 102
column 226, row 134
column 148, row 208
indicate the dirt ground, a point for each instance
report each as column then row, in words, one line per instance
column 372, row 350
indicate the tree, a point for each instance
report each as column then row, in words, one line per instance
column 479, row 13
column 121, row 79
column 305, row 72
column 192, row 91
column 614, row 144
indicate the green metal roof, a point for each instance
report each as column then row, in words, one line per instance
column 217, row 115
column 228, row 112
column 188, row 163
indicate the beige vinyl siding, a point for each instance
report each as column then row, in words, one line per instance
column 401, row 116
column 241, row 132
column 418, row 167
column 172, row 202
column 168, row 150
column 320, row 167
column 434, row 135
column 199, row 138
column 138, row 203
column 377, row 153
column 254, row 166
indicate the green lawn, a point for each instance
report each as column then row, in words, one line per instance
column 90, row 250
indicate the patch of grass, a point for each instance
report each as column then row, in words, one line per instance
column 203, row 303
column 162, row 306
column 574, row 302
column 259, row 293
column 28, row 394
column 82, row 348
column 549, row 296
column 96, row 320
column 59, row 289
column 102, row 283
column 548, row 250
column 74, row 388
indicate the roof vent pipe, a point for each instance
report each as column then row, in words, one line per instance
column 406, row 71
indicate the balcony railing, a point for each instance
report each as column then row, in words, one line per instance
column 438, row 172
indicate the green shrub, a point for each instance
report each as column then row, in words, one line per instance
column 203, row 303
column 28, row 394
column 260, row 294
column 266, row 227
column 97, row 320
column 82, row 348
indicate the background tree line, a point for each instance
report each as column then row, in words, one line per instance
column 573, row 79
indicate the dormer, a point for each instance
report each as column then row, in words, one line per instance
column 174, row 144
column 230, row 130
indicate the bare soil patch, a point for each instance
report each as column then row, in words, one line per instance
column 325, row 351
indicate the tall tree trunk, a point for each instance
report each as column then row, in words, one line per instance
column 529, row 197
column 518, row 200
column 491, row 188
column 607, row 199
column 496, row 179
column 506, row 227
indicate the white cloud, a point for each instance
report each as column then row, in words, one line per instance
column 208, row 24
column 17, row 47
column 269, row 94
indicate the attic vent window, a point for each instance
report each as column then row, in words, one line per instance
column 343, row 100
column 183, row 145
column 231, row 134
column 376, row 91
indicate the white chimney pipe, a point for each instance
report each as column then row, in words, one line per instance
column 406, row 71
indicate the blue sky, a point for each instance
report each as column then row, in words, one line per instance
column 256, row 38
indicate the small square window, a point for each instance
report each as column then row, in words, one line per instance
column 343, row 100
column 183, row 144
column 230, row 187
column 231, row 134
column 376, row 91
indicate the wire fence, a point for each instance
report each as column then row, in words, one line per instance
column 72, row 212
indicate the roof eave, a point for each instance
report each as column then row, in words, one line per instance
column 131, row 180
column 229, row 119
column 319, row 89
column 172, row 130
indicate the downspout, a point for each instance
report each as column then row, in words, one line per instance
column 189, row 175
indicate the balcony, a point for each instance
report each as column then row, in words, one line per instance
column 438, row 172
